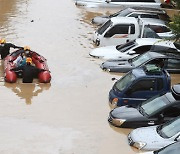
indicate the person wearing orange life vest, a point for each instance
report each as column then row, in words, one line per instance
column 21, row 59
column 29, row 72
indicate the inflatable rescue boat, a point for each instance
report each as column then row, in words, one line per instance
column 38, row 61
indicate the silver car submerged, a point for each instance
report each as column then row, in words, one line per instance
column 155, row 137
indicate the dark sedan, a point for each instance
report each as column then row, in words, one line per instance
column 153, row 111
column 165, row 58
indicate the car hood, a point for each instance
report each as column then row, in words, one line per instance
column 109, row 52
column 149, row 136
column 126, row 112
column 117, row 66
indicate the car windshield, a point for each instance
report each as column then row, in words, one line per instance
column 126, row 46
column 125, row 81
column 141, row 59
column 152, row 105
column 122, row 13
column 169, row 129
column 171, row 149
column 104, row 27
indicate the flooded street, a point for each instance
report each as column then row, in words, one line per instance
column 69, row 115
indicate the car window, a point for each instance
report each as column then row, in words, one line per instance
column 152, row 105
column 149, row 16
column 171, row 149
column 149, row 33
column 173, row 64
column 104, row 27
column 172, row 111
column 158, row 62
column 125, row 81
column 144, row 85
column 159, row 28
column 135, row 15
column 142, row 49
column 118, row 29
column 137, row 61
column 126, row 46
column 170, row 129
column 132, row 29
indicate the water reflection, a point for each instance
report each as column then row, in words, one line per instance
column 27, row 91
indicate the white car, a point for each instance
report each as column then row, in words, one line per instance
column 172, row 149
column 142, row 12
column 119, row 30
column 118, row 3
column 159, row 26
column 155, row 137
column 130, row 49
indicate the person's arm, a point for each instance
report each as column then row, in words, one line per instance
column 13, row 46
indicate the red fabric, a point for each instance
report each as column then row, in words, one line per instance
column 167, row 1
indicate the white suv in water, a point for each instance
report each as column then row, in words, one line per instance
column 119, row 30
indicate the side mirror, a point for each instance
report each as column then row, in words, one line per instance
column 114, row 79
column 107, row 34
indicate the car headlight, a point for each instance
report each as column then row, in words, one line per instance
column 118, row 122
column 114, row 102
column 139, row 145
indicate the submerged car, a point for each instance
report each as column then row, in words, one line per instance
column 129, row 50
column 154, row 111
column 155, row 137
column 168, row 58
column 139, row 85
column 173, row 148
column 118, row 3
column 119, row 30
column 142, row 12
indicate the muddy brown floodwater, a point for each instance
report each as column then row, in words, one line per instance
column 69, row 115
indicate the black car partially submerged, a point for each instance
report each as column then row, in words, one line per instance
column 153, row 111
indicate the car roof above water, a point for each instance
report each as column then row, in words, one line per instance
column 147, row 9
column 123, row 20
column 148, row 71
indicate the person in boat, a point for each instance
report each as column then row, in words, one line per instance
column 21, row 60
column 29, row 72
column 5, row 48
column 27, row 51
